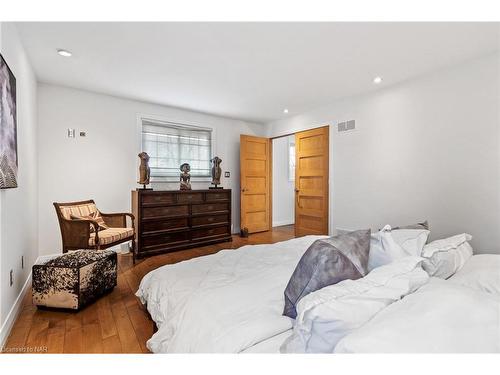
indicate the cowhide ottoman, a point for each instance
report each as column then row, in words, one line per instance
column 75, row 279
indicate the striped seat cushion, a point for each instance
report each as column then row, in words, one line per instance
column 111, row 235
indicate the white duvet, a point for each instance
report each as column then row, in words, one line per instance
column 458, row 315
column 226, row 302
column 327, row 315
column 233, row 301
column 440, row 317
column 481, row 272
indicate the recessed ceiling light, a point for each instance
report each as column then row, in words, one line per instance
column 377, row 80
column 64, row 53
column 285, row 111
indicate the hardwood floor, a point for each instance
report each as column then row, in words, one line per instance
column 117, row 322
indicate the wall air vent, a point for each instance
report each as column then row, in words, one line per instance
column 345, row 126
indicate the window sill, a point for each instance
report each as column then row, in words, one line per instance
column 168, row 180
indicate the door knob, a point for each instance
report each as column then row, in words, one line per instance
column 297, row 190
column 243, row 190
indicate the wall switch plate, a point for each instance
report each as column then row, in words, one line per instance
column 11, row 277
column 83, row 134
column 71, row 133
column 227, row 174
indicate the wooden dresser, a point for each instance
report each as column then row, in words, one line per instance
column 173, row 220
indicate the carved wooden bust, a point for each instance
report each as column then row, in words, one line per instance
column 216, row 170
column 144, row 171
column 185, row 177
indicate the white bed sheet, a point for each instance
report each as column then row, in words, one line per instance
column 223, row 303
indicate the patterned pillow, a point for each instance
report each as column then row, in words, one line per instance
column 327, row 262
column 96, row 216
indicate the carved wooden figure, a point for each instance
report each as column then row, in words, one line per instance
column 216, row 171
column 185, row 177
column 144, row 170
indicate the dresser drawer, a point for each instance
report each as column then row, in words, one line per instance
column 208, row 220
column 209, row 208
column 218, row 196
column 165, row 239
column 169, row 211
column 190, row 197
column 167, row 198
column 160, row 225
column 212, row 232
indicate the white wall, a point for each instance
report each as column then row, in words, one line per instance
column 423, row 149
column 103, row 165
column 1, row 240
column 19, row 207
column 283, row 188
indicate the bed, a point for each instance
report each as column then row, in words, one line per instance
column 232, row 302
column 227, row 302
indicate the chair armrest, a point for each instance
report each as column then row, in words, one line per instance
column 117, row 220
column 76, row 232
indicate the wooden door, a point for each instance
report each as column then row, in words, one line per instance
column 255, row 183
column 311, row 182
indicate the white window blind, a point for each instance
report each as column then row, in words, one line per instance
column 169, row 145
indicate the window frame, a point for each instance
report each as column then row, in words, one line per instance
column 179, row 123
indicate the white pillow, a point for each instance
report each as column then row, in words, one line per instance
column 388, row 245
column 327, row 315
column 445, row 257
column 480, row 272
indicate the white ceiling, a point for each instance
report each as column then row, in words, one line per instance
column 249, row 71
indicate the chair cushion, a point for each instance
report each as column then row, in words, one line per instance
column 78, row 210
column 96, row 216
column 111, row 235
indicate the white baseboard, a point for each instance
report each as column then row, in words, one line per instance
column 280, row 223
column 13, row 313
column 16, row 308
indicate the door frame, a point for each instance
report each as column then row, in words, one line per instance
column 271, row 171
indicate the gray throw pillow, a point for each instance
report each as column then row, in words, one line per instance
column 327, row 262
column 423, row 225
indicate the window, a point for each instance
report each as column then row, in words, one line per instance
column 291, row 158
column 170, row 144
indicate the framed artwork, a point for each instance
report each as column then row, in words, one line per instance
column 8, row 127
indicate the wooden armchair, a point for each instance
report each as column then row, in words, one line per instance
column 80, row 232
